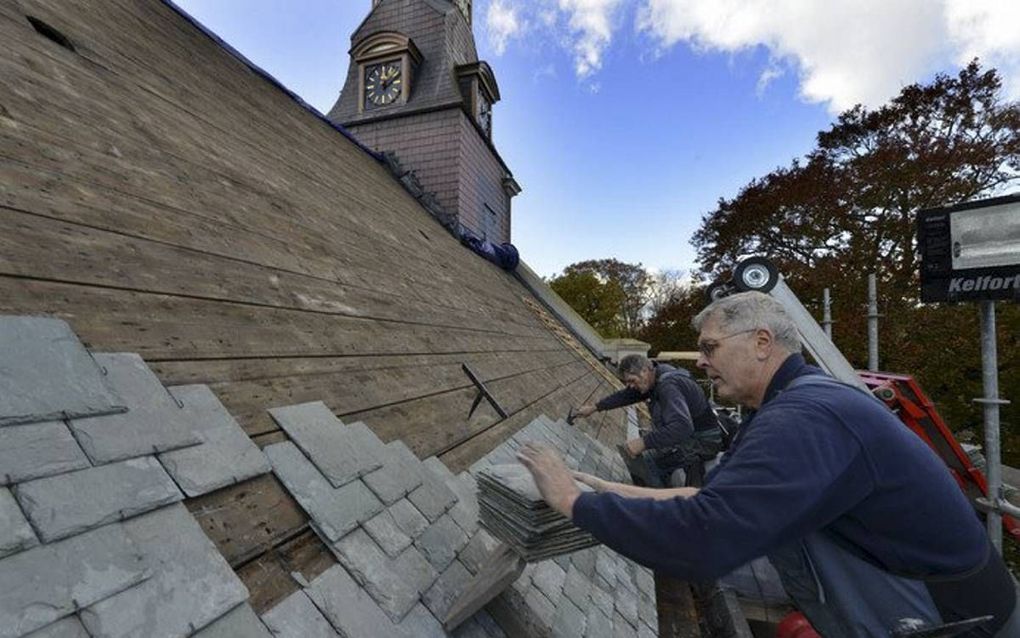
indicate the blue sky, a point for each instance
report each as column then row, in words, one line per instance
column 625, row 120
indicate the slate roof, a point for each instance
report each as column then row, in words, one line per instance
column 94, row 540
column 406, row 534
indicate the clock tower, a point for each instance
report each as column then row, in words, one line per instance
column 415, row 87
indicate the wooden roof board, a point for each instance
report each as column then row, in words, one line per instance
column 166, row 200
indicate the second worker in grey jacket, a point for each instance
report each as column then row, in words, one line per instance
column 685, row 430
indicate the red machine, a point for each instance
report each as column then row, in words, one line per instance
column 904, row 396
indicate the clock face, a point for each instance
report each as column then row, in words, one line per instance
column 383, row 84
column 485, row 116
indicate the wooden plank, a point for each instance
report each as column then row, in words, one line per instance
column 244, row 520
column 34, row 246
column 678, row 611
column 168, row 327
column 268, row 578
column 468, row 451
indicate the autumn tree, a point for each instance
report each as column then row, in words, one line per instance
column 599, row 302
column 849, row 209
column 631, row 281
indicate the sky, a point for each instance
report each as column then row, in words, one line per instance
column 625, row 121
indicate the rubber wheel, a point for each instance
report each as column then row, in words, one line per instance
column 755, row 273
column 717, row 291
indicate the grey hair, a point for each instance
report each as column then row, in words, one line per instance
column 632, row 364
column 752, row 311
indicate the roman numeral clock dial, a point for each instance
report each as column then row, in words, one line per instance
column 383, row 84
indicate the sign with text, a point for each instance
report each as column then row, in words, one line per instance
column 971, row 252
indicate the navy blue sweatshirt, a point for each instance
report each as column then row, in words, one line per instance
column 676, row 402
column 817, row 456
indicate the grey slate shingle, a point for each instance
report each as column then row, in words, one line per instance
column 577, row 587
column 541, row 607
column 387, row 534
column 226, row 455
column 335, row 512
column 432, row 497
column 627, row 605
column 41, row 585
column 37, row 450
column 297, row 617
column 335, row 451
column 68, row 504
column 153, row 423
column 597, row 624
column 69, row 627
column 15, row 532
column 569, row 622
column 239, row 622
column 394, row 583
column 441, row 542
column 400, row 474
column 478, row 550
column 347, row 606
column 549, row 578
column 191, row 586
column 419, row 623
column 602, row 599
column 447, row 589
column 408, row 518
column 46, row 374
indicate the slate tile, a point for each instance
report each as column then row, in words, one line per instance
column 408, row 518
column 239, row 622
column 432, row 497
column 441, row 542
column 465, row 511
column 153, row 423
column 41, row 449
column 381, row 576
column 644, row 631
column 69, row 627
column 577, row 587
column 400, row 474
column 297, row 617
column 68, row 504
column 627, row 605
column 584, row 560
column 598, row 624
column 415, row 569
column 47, row 374
column 602, row 599
column 489, row 624
column 479, row 550
column 335, row 512
column 622, row 628
column 549, row 578
column 387, row 534
column 366, row 442
column 41, row 585
column 330, row 445
column 541, row 607
column 192, row 585
column 347, row 606
column 447, row 589
column 15, row 532
column 569, row 622
column 419, row 623
column 645, row 581
column 438, row 468
column 470, row 628
column 226, row 455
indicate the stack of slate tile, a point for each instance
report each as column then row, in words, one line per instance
column 95, row 457
column 513, row 510
column 590, row 593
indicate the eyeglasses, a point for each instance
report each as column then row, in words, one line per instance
column 707, row 348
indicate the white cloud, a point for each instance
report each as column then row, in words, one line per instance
column 591, row 24
column 772, row 72
column 845, row 51
column 502, row 23
column 989, row 30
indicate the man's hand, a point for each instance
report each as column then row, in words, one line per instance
column 554, row 480
column 586, row 410
column 635, row 447
column 593, row 482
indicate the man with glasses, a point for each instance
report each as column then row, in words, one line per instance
column 685, row 430
column 864, row 523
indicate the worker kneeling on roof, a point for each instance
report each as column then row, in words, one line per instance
column 685, row 431
column 864, row 523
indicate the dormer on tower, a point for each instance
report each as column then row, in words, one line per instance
column 415, row 87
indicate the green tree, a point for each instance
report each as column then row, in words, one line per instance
column 601, row 303
column 849, row 209
column 633, row 282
